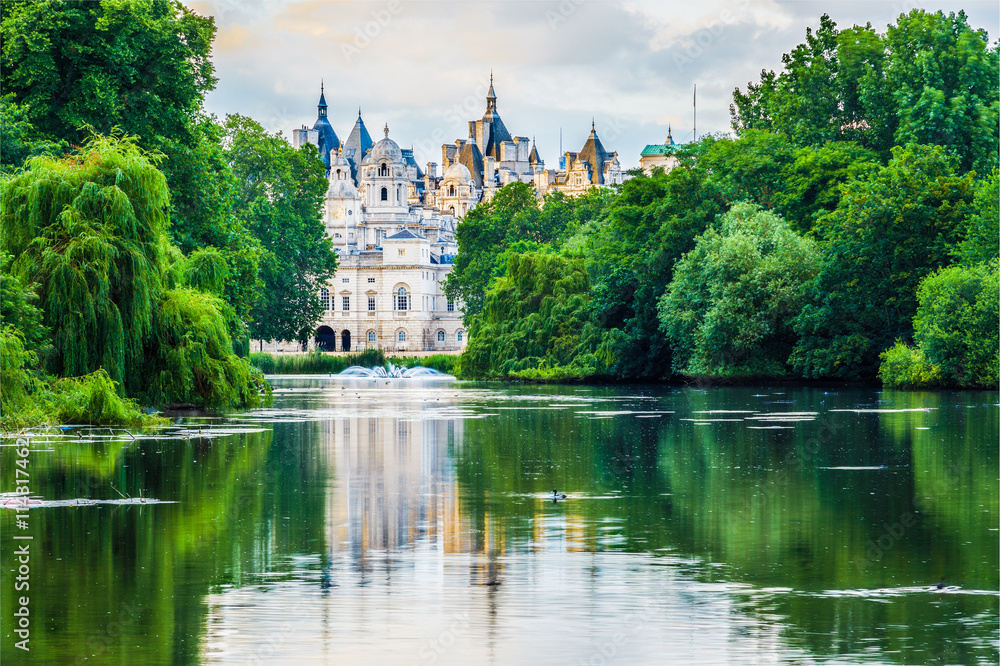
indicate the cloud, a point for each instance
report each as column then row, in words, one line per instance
column 423, row 67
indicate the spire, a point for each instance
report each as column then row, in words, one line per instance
column 359, row 113
column 593, row 129
column 386, row 130
column 491, row 97
column 670, row 139
column 321, row 107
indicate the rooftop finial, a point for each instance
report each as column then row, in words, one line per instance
column 592, row 124
column 359, row 113
column 386, row 130
column 321, row 86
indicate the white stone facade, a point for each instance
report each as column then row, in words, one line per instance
column 393, row 226
column 393, row 258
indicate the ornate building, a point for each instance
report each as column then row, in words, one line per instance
column 659, row 155
column 394, row 254
column 393, row 224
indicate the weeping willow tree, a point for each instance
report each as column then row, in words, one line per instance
column 89, row 231
column 533, row 323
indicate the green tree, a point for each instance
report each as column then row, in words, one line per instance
column 89, row 232
column 19, row 308
column 483, row 234
column 830, row 89
column 957, row 324
column 980, row 233
column 888, row 232
column 930, row 79
column 532, row 322
column 512, row 215
column 19, row 139
column 279, row 199
column 631, row 250
column 142, row 68
column 728, row 309
column 749, row 168
column 943, row 77
column 811, row 185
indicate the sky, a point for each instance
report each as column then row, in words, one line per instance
column 423, row 67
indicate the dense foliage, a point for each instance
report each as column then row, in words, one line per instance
column 813, row 244
column 317, row 362
column 955, row 331
column 279, row 198
column 728, row 309
column 930, row 79
column 532, row 321
column 169, row 237
column 90, row 235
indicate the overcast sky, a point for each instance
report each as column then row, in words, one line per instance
column 423, row 67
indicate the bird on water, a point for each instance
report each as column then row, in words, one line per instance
column 556, row 495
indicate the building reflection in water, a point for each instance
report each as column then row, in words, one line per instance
column 392, row 486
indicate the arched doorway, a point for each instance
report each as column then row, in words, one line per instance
column 326, row 339
column 345, row 341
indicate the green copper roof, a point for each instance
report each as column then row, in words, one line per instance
column 658, row 149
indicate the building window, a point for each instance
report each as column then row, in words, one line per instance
column 451, row 191
column 458, row 336
column 385, row 194
column 371, row 280
column 402, row 299
column 346, row 300
column 451, row 305
column 383, row 171
column 324, row 297
column 402, row 252
column 402, row 336
column 440, row 336
column 345, row 280
column 371, row 304
column 371, row 336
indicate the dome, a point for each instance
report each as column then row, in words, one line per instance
column 337, row 159
column 458, row 172
column 342, row 189
column 386, row 149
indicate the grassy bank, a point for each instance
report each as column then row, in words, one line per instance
column 318, row 363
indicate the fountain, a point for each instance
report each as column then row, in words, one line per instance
column 390, row 371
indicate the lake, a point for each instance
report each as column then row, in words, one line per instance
column 413, row 522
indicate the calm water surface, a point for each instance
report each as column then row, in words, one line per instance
column 362, row 522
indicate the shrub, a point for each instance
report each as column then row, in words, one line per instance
column 907, row 367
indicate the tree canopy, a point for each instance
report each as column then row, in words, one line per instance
column 90, row 235
column 930, row 79
column 279, row 199
column 797, row 247
column 729, row 308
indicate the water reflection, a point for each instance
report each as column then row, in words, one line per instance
column 374, row 523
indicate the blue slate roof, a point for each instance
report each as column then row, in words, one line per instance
column 327, row 137
column 405, row 234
